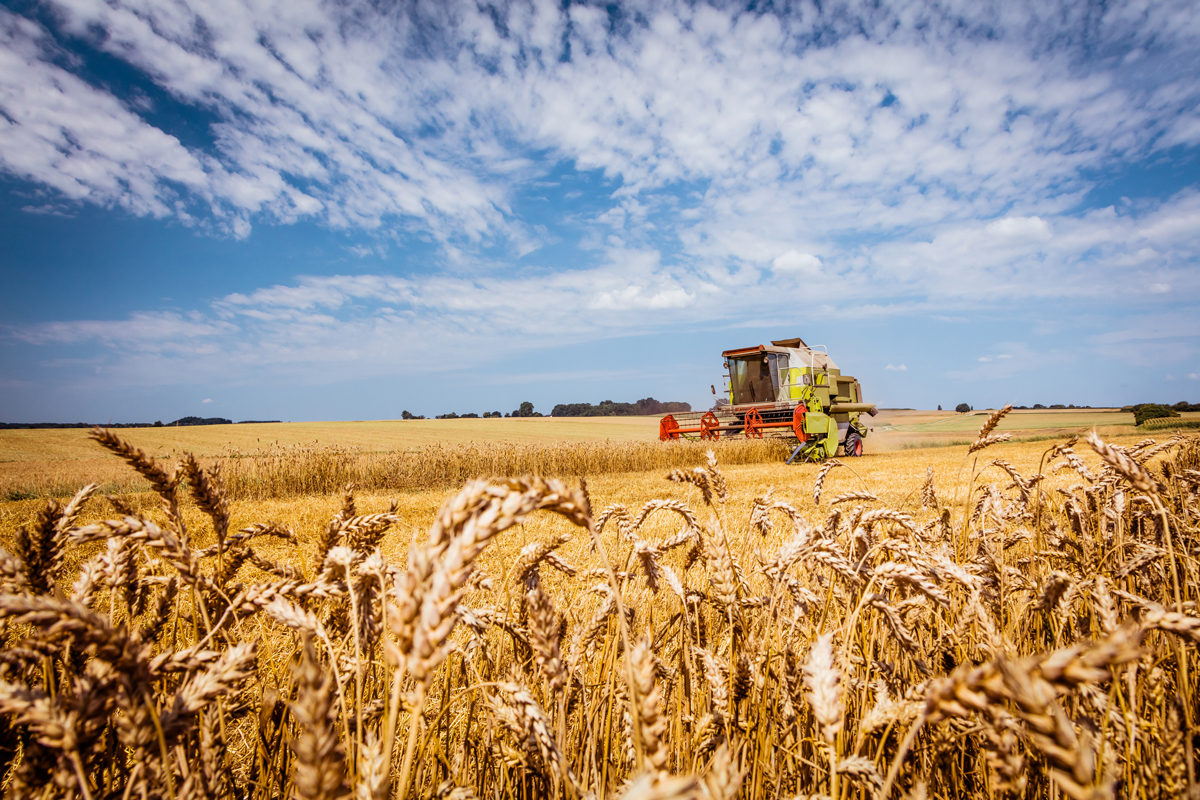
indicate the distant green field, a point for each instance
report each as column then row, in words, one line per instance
column 1023, row 421
column 374, row 437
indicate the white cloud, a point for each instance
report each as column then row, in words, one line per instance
column 430, row 118
column 1160, row 288
column 635, row 297
column 1021, row 228
column 158, row 331
column 1152, row 329
column 60, row 131
column 734, row 149
column 893, row 368
column 206, row 400
column 1018, row 358
column 792, row 261
column 283, row 124
column 1194, row 376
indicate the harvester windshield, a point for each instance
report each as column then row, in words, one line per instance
column 754, row 378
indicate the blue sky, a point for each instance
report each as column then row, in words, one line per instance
column 309, row 210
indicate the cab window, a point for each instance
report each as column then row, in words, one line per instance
column 755, row 379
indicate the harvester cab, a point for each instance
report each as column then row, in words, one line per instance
column 787, row 390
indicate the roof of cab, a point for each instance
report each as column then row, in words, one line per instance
column 792, row 347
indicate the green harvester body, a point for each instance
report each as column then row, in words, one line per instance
column 787, row 390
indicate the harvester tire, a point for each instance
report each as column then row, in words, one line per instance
column 854, row 445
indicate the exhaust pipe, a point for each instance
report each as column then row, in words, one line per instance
column 849, row 408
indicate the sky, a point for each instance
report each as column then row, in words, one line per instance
column 305, row 211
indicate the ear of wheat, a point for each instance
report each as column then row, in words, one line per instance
column 180, row 650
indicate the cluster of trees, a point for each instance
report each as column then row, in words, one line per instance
column 1145, row 411
column 525, row 410
column 607, row 408
column 1182, row 405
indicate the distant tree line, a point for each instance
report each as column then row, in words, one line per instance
column 472, row 415
column 1182, row 405
column 525, row 410
column 963, row 408
column 1141, row 411
column 607, row 408
column 1037, row 406
column 181, row 422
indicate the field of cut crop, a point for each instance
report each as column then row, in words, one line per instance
column 1005, row 619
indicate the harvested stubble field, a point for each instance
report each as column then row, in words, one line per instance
column 1019, row 621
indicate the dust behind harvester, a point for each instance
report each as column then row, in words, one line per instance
column 787, row 390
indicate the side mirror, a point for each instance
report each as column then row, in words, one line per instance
column 714, row 389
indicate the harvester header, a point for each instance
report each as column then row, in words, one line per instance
column 788, row 390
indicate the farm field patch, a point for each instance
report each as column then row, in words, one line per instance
column 908, row 429
column 381, row 436
column 868, row 574
column 302, row 458
column 890, row 475
column 386, row 436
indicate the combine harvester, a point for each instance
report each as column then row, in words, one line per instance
column 786, row 390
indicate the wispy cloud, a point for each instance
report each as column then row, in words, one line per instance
column 1018, row 358
column 363, row 117
column 857, row 162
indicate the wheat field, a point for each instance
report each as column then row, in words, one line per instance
column 1018, row 620
column 275, row 460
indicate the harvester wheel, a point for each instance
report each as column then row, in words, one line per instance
column 798, row 422
column 854, row 444
column 754, row 423
column 668, row 429
column 708, row 426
